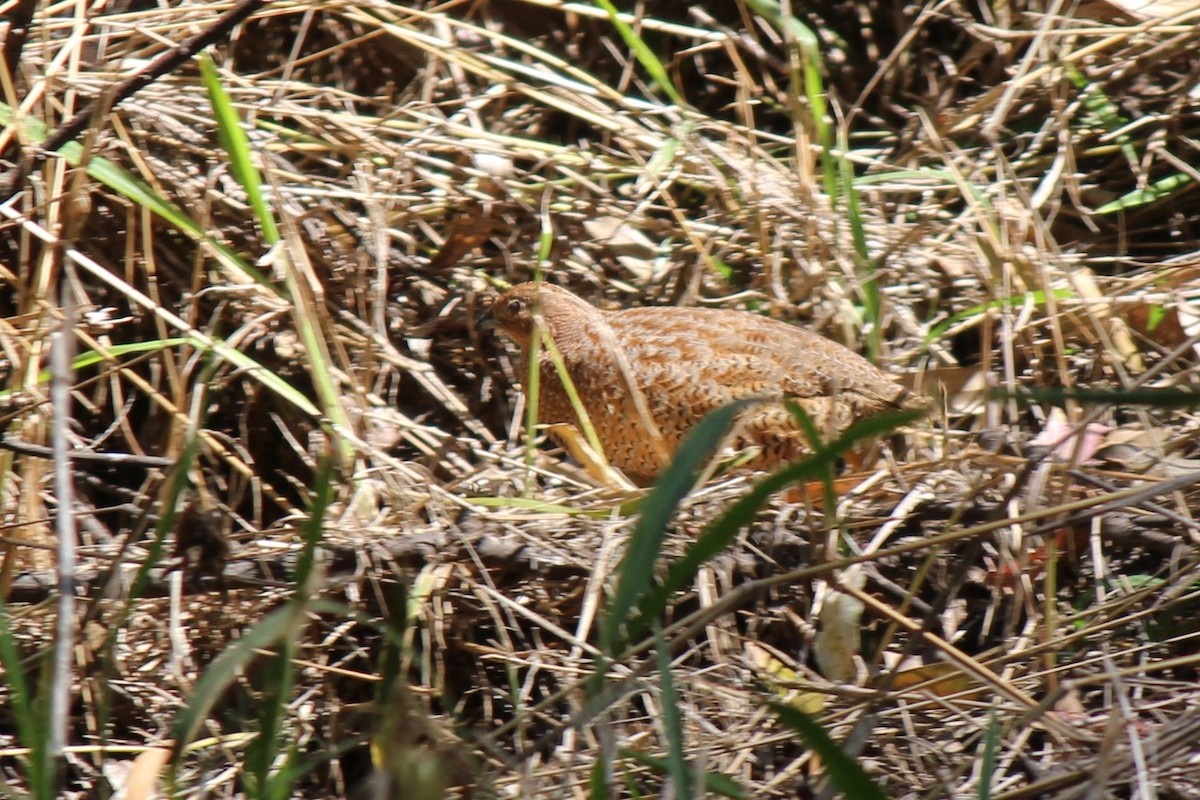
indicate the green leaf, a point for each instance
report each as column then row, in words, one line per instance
column 177, row 484
column 239, row 359
column 723, row 269
column 810, row 83
column 1156, row 315
column 827, row 465
column 934, row 178
column 266, row 777
column 237, row 146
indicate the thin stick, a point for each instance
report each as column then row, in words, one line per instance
column 61, row 354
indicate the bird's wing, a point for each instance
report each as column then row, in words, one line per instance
column 726, row 355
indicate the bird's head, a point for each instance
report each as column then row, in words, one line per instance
column 517, row 310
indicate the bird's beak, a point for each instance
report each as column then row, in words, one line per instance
column 486, row 320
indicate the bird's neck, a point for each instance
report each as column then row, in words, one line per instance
column 577, row 331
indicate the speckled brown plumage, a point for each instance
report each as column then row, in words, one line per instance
column 686, row 362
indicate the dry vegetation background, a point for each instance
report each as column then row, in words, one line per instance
column 996, row 196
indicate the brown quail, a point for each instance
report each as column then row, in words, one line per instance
column 647, row 375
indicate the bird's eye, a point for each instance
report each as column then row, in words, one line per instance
column 515, row 306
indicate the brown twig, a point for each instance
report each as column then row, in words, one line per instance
column 40, row 451
column 20, row 19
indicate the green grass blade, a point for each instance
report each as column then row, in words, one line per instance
column 1037, row 297
column 933, row 178
column 846, row 774
column 225, row 668
column 847, row 200
column 237, row 358
column 138, row 192
column 90, row 358
column 1141, row 197
column 177, row 483
column 31, row 732
column 826, row 464
column 1103, row 112
column 568, row 384
column 812, row 80
column 645, row 56
column 261, row 753
column 256, row 371
column 269, row 779
column 635, row 576
column 714, row 782
column 598, row 781
column 533, row 399
column 263, row 375
column 724, row 530
column 1166, row 397
column 987, row 767
column 237, row 146
column 126, row 185
column 313, row 530
column 541, row 339
column 677, row 767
